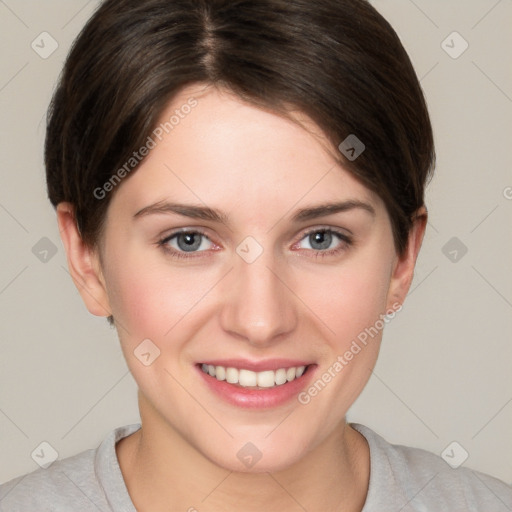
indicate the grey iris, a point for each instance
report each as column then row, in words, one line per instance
column 189, row 241
column 320, row 240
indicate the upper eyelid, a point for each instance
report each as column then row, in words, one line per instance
column 342, row 237
column 344, row 234
column 179, row 231
column 340, row 231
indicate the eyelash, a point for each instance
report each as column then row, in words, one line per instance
column 346, row 242
column 180, row 254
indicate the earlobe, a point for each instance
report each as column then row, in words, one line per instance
column 83, row 263
column 403, row 271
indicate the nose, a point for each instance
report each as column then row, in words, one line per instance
column 258, row 306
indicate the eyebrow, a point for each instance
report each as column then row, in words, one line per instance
column 187, row 210
column 331, row 208
column 211, row 214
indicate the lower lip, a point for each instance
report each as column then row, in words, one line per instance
column 258, row 398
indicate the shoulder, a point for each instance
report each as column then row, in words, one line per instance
column 79, row 483
column 417, row 479
column 46, row 489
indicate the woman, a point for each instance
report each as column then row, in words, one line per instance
column 239, row 188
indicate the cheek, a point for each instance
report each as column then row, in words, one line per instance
column 157, row 301
column 353, row 299
column 156, row 304
column 349, row 311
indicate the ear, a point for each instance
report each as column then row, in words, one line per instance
column 403, row 271
column 83, row 262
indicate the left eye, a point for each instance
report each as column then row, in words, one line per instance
column 322, row 239
column 189, row 241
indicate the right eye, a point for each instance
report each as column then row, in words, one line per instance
column 182, row 242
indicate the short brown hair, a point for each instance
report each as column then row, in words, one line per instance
column 337, row 61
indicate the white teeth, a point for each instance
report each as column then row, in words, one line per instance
column 248, row 378
column 290, row 374
column 220, row 373
column 266, row 379
column 280, row 376
column 232, row 375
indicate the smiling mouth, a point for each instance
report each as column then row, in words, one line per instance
column 254, row 380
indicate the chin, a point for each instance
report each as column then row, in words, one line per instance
column 271, row 463
column 262, row 455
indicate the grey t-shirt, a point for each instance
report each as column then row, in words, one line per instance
column 401, row 479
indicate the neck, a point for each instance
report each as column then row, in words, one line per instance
column 164, row 472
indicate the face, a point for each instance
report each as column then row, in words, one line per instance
column 243, row 266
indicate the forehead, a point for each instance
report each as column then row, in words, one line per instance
column 211, row 147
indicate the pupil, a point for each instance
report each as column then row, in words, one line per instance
column 189, row 241
column 320, row 240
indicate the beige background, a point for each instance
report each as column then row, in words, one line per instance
column 444, row 373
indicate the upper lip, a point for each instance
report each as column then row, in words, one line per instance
column 256, row 366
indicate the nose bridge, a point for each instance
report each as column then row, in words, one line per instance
column 258, row 306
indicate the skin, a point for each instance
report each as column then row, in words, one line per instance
column 258, row 169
